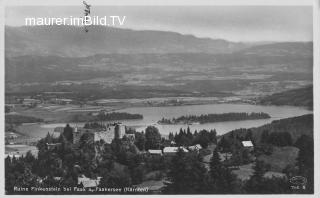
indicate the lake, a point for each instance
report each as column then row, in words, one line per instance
column 152, row 114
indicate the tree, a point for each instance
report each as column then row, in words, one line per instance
column 189, row 136
column 137, row 174
column 115, row 179
column 224, row 144
column 153, row 138
column 246, row 156
column 280, row 139
column 305, row 157
column 171, row 136
column 305, row 161
column 107, row 160
column 188, row 130
column 203, row 138
column 29, row 158
column 249, row 135
column 187, row 175
column 140, row 141
column 264, row 136
column 221, row 180
column 259, row 170
column 27, row 179
column 213, row 136
column 258, row 184
column 215, row 168
column 215, row 163
column 237, row 157
column 68, row 133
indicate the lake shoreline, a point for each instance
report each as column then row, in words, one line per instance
column 152, row 114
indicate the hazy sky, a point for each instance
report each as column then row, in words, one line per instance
column 235, row 23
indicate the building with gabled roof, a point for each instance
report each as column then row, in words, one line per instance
column 247, row 144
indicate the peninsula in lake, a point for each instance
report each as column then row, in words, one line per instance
column 207, row 118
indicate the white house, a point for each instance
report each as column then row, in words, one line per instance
column 247, row 144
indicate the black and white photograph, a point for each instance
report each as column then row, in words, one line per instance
column 159, row 99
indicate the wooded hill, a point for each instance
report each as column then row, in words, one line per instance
column 295, row 126
column 296, row 97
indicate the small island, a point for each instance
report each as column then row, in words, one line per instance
column 209, row 118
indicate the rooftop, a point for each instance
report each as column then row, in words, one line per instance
column 247, row 143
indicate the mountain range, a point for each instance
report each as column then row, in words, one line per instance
column 74, row 41
column 114, row 58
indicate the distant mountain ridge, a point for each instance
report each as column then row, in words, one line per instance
column 73, row 41
column 171, row 63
